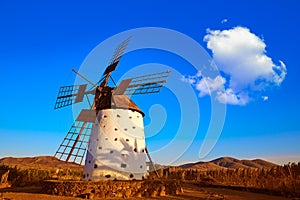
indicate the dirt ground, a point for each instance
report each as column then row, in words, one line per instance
column 190, row 192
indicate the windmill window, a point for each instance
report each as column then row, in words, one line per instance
column 135, row 150
column 111, row 151
column 89, row 161
column 99, row 147
column 103, row 126
column 104, row 116
column 118, row 116
column 116, row 139
column 106, row 138
column 130, row 117
column 138, row 116
column 108, row 176
column 125, row 129
column 127, row 140
column 143, row 150
column 116, row 129
column 87, row 175
column 141, row 166
column 123, row 165
column 133, row 127
column 131, row 176
column 95, row 166
column 83, row 176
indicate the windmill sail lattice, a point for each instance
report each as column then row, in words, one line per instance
column 73, row 147
column 120, row 50
column 151, row 83
column 69, row 95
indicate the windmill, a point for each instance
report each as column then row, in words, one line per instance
column 109, row 135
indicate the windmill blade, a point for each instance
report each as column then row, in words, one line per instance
column 119, row 52
column 69, row 95
column 111, row 68
column 151, row 83
column 73, row 147
column 122, row 87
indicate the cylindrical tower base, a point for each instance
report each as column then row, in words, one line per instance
column 116, row 148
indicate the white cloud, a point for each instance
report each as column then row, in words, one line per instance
column 265, row 98
column 228, row 96
column 241, row 56
column 192, row 79
column 224, row 21
column 205, row 85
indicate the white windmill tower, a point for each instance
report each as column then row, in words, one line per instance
column 111, row 134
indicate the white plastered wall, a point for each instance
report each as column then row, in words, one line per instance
column 117, row 147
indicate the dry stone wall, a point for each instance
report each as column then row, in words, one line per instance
column 106, row 189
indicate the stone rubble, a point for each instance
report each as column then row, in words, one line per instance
column 105, row 189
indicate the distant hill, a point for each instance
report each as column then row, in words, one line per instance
column 228, row 162
column 39, row 162
column 49, row 162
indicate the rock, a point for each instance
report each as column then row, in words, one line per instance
column 91, row 196
column 154, row 193
column 54, row 191
column 162, row 193
column 101, row 194
column 179, row 190
column 138, row 194
column 119, row 195
column 128, row 193
column 110, row 189
column 146, row 194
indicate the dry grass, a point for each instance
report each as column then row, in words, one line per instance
column 32, row 177
column 281, row 180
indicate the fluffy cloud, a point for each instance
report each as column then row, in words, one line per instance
column 205, row 85
column 230, row 97
column 224, row 21
column 241, row 56
column 265, row 98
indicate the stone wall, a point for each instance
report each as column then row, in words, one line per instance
column 105, row 189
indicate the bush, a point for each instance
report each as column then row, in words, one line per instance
column 280, row 179
column 29, row 177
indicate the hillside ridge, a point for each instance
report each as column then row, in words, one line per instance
column 39, row 162
column 229, row 162
column 50, row 162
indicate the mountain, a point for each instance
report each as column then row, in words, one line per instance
column 228, row 162
column 39, row 162
column 50, row 162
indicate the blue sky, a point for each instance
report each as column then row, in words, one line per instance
column 41, row 41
